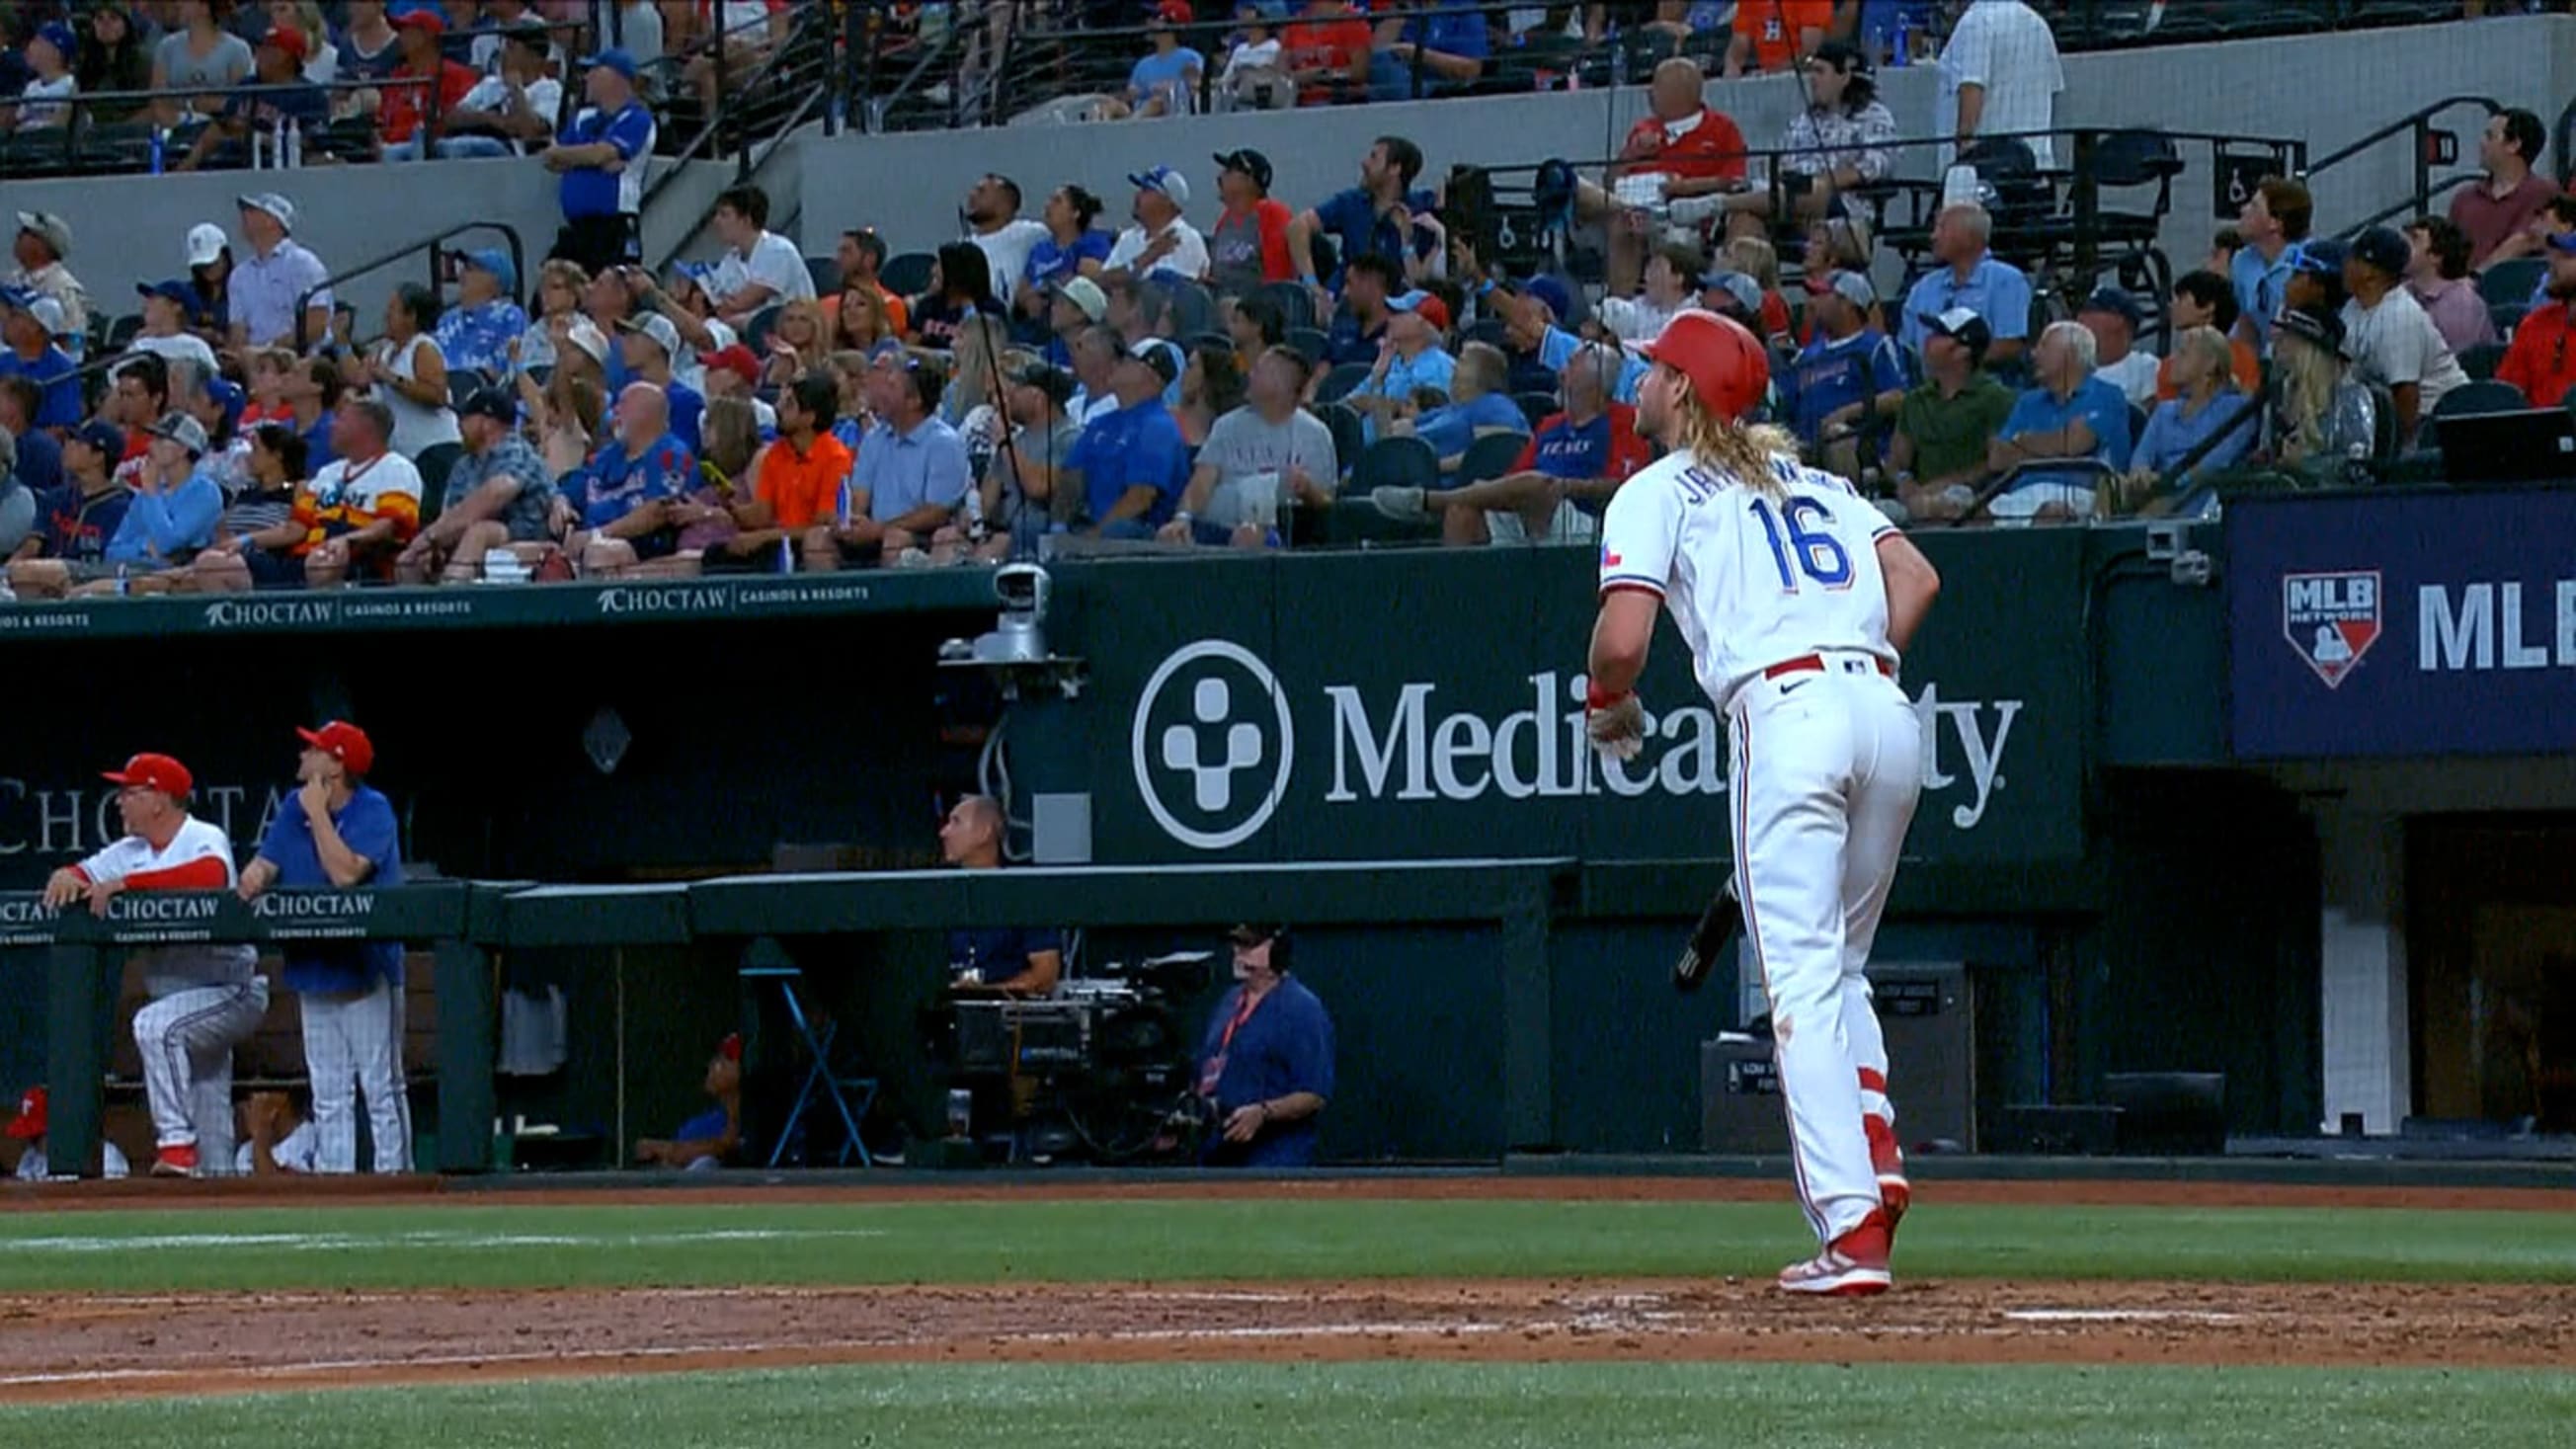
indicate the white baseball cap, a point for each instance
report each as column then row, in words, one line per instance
column 206, row 241
column 1165, row 180
column 661, row 329
column 272, row 203
column 585, row 334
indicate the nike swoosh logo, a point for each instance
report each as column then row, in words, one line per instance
column 1789, row 689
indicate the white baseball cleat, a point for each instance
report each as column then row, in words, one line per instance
column 1852, row 1266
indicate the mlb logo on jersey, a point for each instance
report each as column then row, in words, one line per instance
column 2332, row 619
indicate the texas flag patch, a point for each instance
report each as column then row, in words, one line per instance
column 1609, row 560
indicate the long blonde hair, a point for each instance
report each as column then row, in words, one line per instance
column 2309, row 376
column 1749, row 451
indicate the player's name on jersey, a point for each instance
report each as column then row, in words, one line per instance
column 139, row 918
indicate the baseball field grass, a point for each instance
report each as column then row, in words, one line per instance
column 1222, row 1397
column 718, row 1244
column 1370, row 1406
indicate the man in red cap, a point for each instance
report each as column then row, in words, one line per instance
column 1795, row 595
column 337, row 833
column 205, row 997
column 29, row 1127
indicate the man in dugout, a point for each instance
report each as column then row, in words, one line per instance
column 1266, row 1068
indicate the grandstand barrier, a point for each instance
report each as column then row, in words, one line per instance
column 1431, row 710
column 85, row 956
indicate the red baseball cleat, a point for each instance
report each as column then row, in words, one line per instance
column 1852, row 1266
column 179, row 1161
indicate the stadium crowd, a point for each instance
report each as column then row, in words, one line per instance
column 1223, row 368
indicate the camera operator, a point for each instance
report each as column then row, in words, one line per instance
column 1266, row 1069
column 1025, row 959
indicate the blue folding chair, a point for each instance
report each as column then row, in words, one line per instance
column 850, row 1096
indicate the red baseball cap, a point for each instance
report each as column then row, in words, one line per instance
column 288, row 39
column 736, row 359
column 155, row 772
column 344, row 742
column 426, row 18
column 1726, row 365
column 29, row 1124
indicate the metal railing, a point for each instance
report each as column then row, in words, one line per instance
column 1050, row 62
column 113, row 132
column 432, row 245
column 2431, row 146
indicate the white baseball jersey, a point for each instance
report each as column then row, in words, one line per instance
column 1751, row 579
column 198, row 858
column 297, row 1154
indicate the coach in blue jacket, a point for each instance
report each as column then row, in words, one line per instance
column 1267, row 1064
column 337, row 831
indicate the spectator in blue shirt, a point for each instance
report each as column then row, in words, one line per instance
column 40, row 458
column 1970, row 276
column 1358, row 328
column 1446, row 44
column 601, row 156
column 1477, row 405
column 1131, row 466
column 75, row 521
column 1849, row 377
column 2204, row 374
column 1166, row 81
column 1072, row 248
column 2274, row 221
column 2070, row 414
column 176, row 504
column 911, row 473
column 31, row 354
column 1382, row 216
column 1266, row 1064
column 650, row 346
column 337, row 832
column 1410, row 363
column 1015, row 958
column 478, row 331
column 617, row 507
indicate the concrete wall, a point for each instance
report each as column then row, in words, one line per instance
column 130, row 229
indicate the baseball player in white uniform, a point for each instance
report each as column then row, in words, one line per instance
column 29, row 1126
column 1795, row 596
column 205, row 997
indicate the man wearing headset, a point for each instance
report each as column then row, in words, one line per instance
column 1266, row 1068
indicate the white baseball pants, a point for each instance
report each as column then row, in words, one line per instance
column 186, row 1040
column 353, row 1045
column 1827, row 765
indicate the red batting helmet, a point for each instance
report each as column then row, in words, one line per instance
column 1728, row 369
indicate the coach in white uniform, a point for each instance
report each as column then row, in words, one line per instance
column 337, row 832
column 1794, row 596
column 205, row 997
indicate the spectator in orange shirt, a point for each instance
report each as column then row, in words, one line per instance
column 1249, row 244
column 1777, row 34
column 1682, row 148
column 798, row 479
column 860, row 254
column 1327, row 49
column 2538, row 362
column 2208, row 299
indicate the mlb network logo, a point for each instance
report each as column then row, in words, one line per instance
column 2332, row 619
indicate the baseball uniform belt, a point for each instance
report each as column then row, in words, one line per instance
column 1815, row 664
